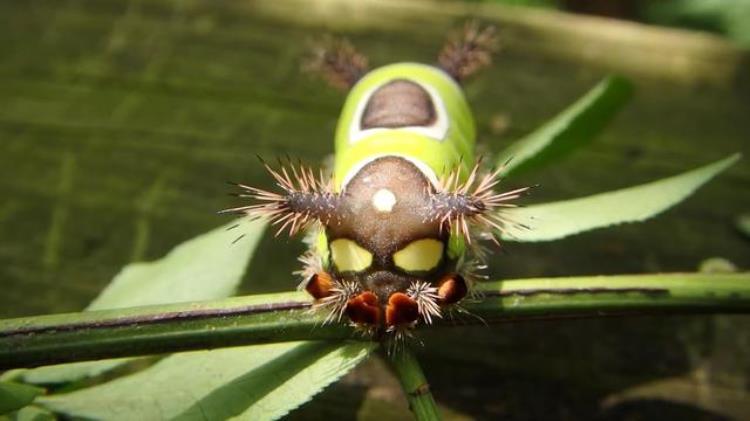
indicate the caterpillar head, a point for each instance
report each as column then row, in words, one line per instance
column 392, row 243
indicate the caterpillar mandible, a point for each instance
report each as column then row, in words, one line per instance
column 395, row 228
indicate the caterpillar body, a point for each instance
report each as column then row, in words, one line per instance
column 395, row 228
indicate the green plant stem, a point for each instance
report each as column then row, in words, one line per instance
column 43, row 340
column 414, row 384
column 598, row 296
column 52, row 339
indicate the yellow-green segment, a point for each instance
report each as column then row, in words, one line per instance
column 440, row 155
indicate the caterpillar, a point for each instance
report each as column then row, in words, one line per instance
column 395, row 230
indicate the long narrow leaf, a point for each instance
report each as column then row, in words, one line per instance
column 14, row 396
column 576, row 126
column 206, row 267
column 255, row 382
column 551, row 221
column 743, row 224
column 32, row 413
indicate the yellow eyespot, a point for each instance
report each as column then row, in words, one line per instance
column 322, row 247
column 348, row 256
column 420, row 255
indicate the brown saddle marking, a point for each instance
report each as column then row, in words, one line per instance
column 399, row 103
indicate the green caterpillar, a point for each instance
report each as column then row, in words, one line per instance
column 395, row 229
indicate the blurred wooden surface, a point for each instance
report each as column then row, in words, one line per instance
column 121, row 120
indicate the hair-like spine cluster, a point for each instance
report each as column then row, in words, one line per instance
column 336, row 61
column 469, row 50
column 427, row 298
column 472, row 207
column 304, row 199
column 335, row 303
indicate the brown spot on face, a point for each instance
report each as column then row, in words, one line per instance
column 401, row 310
column 364, row 309
column 452, row 289
column 319, row 285
column 399, row 103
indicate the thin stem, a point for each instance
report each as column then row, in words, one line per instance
column 414, row 384
column 52, row 339
column 43, row 340
column 598, row 296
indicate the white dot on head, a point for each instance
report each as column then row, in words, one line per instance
column 383, row 200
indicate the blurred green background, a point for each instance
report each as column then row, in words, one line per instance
column 730, row 18
column 120, row 121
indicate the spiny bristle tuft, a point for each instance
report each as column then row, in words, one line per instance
column 472, row 269
column 472, row 207
column 311, row 264
column 399, row 337
column 426, row 297
column 304, row 198
column 468, row 51
column 335, row 303
column 336, row 61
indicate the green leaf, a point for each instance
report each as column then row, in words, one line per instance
column 574, row 127
column 32, row 413
column 70, row 372
column 206, row 267
column 551, row 221
column 203, row 268
column 743, row 224
column 14, row 396
column 252, row 382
